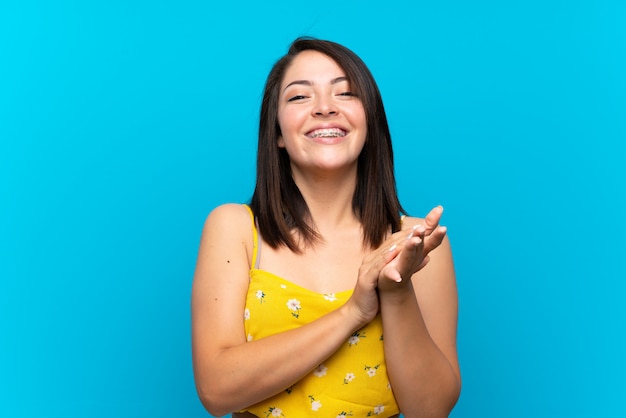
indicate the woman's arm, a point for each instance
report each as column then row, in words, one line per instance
column 231, row 373
column 420, row 323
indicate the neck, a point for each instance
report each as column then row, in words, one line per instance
column 329, row 198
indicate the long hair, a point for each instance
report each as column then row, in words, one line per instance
column 277, row 202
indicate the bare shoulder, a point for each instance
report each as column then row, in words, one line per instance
column 232, row 215
column 228, row 224
column 226, row 244
column 221, row 277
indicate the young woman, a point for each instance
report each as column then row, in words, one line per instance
column 318, row 298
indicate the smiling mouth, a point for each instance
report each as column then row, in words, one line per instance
column 327, row 133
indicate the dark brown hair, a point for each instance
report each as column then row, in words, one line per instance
column 277, row 202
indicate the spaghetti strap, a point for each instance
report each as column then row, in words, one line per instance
column 256, row 247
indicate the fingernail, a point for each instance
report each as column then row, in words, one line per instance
column 410, row 236
column 392, row 248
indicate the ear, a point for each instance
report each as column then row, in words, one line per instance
column 281, row 142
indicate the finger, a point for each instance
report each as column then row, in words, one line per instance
column 374, row 262
column 435, row 239
column 432, row 219
column 391, row 273
column 410, row 258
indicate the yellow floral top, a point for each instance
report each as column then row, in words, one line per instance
column 352, row 382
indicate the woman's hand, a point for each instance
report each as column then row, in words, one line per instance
column 398, row 258
column 413, row 252
column 364, row 301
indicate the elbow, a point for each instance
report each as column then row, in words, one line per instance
column 213, row 401
column 436, row 402
column 455, row 392
column 451, row 392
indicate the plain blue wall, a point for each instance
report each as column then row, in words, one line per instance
column 122, row 124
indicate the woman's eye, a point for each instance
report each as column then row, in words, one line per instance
column 294, row 98
column 347, row 94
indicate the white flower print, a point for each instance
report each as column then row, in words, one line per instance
column 274, row 412
column 349, row 378
column 260, row 295
column 282, row 286
column 355, row 338
column 371, row 371
column 320, row 370
column 250, row 337
column 330, row 297
column 293, row 304
column 294, row 307
column 315, row 404
column 344, row 414
column 246, row 314
column 378, row 409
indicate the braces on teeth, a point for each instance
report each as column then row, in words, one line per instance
column 328, row 133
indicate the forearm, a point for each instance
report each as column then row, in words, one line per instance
column 247, row 373
column 424, row 381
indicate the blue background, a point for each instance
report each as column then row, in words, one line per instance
column 122, row 124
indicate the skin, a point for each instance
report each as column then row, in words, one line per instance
column 409, row 278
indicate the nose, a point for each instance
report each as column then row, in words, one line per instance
column 324, row 106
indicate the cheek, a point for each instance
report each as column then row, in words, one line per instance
column 356, row 113
column 287, row 122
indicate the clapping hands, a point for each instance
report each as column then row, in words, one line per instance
column 410, row 251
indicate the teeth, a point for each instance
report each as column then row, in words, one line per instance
column 327, row 133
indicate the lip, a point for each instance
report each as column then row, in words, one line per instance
column 328, row 140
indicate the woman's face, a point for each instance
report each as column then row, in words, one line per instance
column 322, row 124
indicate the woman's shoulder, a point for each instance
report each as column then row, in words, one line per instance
column 229, row 213
column 229, row 227
column 229, row 218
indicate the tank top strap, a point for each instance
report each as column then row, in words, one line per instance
column 256, row 248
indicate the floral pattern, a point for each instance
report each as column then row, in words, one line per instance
column 378, row 409
column 355, row 338
column 355, row 375
column 371, row 371
column 315, row 404
column 330, row 297
column 294, row 307
column 348, row 377
column 274, row 412
column 320, row 371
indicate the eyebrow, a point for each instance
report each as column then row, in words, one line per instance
column 310, row 83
